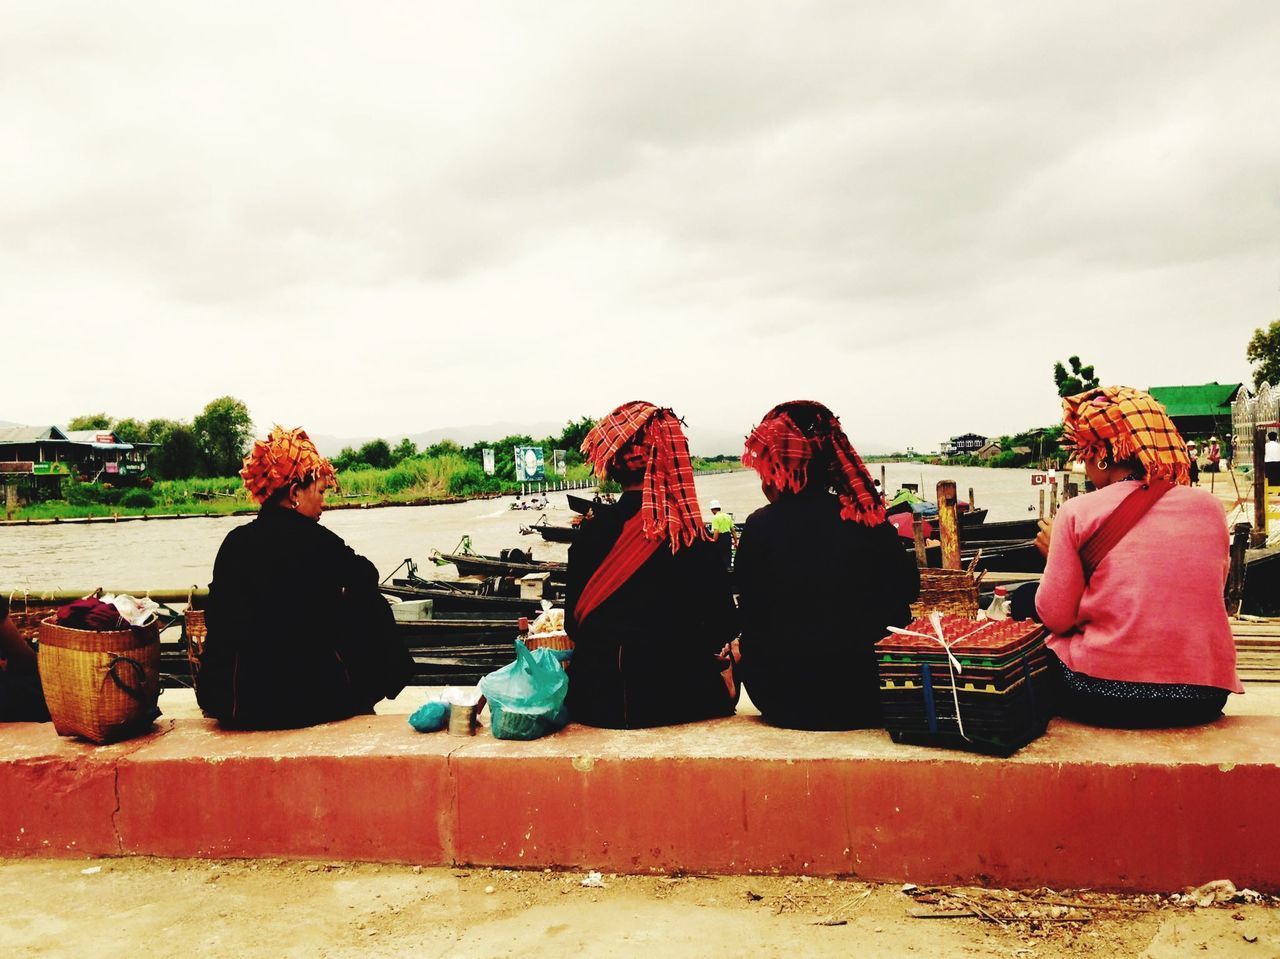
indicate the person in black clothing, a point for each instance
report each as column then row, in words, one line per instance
column 820, row 574
column 648, row 603
column 298, row 633
column 21, row 695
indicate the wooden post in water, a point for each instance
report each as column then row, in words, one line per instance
column 1235, row 581
column 1053, row 500
column 884, row 489
column 972, row 504
column 1042, row 502
column 917, row 530
column 948, row 529
column 1258, row 538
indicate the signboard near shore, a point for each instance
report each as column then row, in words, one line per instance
column 530, row 466
column 487, row 457
column 559, row 464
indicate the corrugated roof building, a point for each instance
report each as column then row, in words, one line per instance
column 1199, row 411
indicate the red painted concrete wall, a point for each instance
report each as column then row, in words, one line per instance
column 1080, row 807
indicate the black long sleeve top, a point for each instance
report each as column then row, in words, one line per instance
column 298, row 633
column 646, row 656
column 815, row 593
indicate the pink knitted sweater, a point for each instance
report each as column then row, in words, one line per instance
column 1153, row 611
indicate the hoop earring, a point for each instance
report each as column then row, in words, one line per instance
column 1103, row 464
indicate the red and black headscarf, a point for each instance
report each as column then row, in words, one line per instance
column 639, row 436
column 794, row 435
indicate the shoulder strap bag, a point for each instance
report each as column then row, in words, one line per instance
column 1117, row 525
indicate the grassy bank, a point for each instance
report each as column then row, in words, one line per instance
column 413, row 480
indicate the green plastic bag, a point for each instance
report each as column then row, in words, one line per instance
column 526, row 697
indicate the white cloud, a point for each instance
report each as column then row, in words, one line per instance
column 404, row 216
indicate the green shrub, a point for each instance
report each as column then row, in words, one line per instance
column 138, row 499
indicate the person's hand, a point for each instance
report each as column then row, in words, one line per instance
column 1042, row 537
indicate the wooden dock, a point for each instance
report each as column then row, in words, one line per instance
column 1257, row 649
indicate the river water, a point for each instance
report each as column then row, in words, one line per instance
column 173, row 554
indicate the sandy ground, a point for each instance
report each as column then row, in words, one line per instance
column 184, row 908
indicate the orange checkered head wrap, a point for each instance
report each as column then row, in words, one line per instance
column 794, row 436
column 1133, row 423
column 283, row 458
column 640, row 436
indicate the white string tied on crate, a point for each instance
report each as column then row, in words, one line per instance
column 953, row 664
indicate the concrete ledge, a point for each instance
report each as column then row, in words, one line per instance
column 1079, row 807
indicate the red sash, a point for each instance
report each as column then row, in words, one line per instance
column 629, row 553
column 1131, row 509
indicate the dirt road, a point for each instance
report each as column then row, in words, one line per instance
column 185, row 908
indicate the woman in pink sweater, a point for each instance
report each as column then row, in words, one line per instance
column 1141, row 639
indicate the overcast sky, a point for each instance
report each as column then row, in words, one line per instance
column 383, row 218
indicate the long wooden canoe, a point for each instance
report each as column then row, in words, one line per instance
column 476, row 563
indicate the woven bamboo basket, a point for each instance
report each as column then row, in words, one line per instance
column 102, row 685
column 195, row 630
column 559, row 641
column 952, row 592
column 26, row 614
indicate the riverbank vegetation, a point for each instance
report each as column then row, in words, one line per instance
column 376, row 473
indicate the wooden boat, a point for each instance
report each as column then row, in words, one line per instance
column 555, row 534
column 1262, row 582
column 451, row 601
column 1008, row 530
column 966, row 517
column 1006, row 556
column 459, row 650
column 477, row 563
column 453, row 651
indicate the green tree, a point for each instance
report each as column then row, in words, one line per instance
column 445, row 447
column 129, row 430
column 571, row 437
column 404, row 449
column 158, row 429
column 222, row 432
column 90, row 421
column 377, row 453
column 177, row 456
column 346, row 459
column 1264, row 353
column 1080, row 378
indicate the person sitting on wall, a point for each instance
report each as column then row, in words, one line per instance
column 21, row 695
column 809, row 628
column 648, row 603
column 298, row 633
column 1132, row 589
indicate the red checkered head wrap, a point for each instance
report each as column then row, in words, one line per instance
column 640, row 436
column 1133, row 423
column 792, row 436
column 283, row 458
